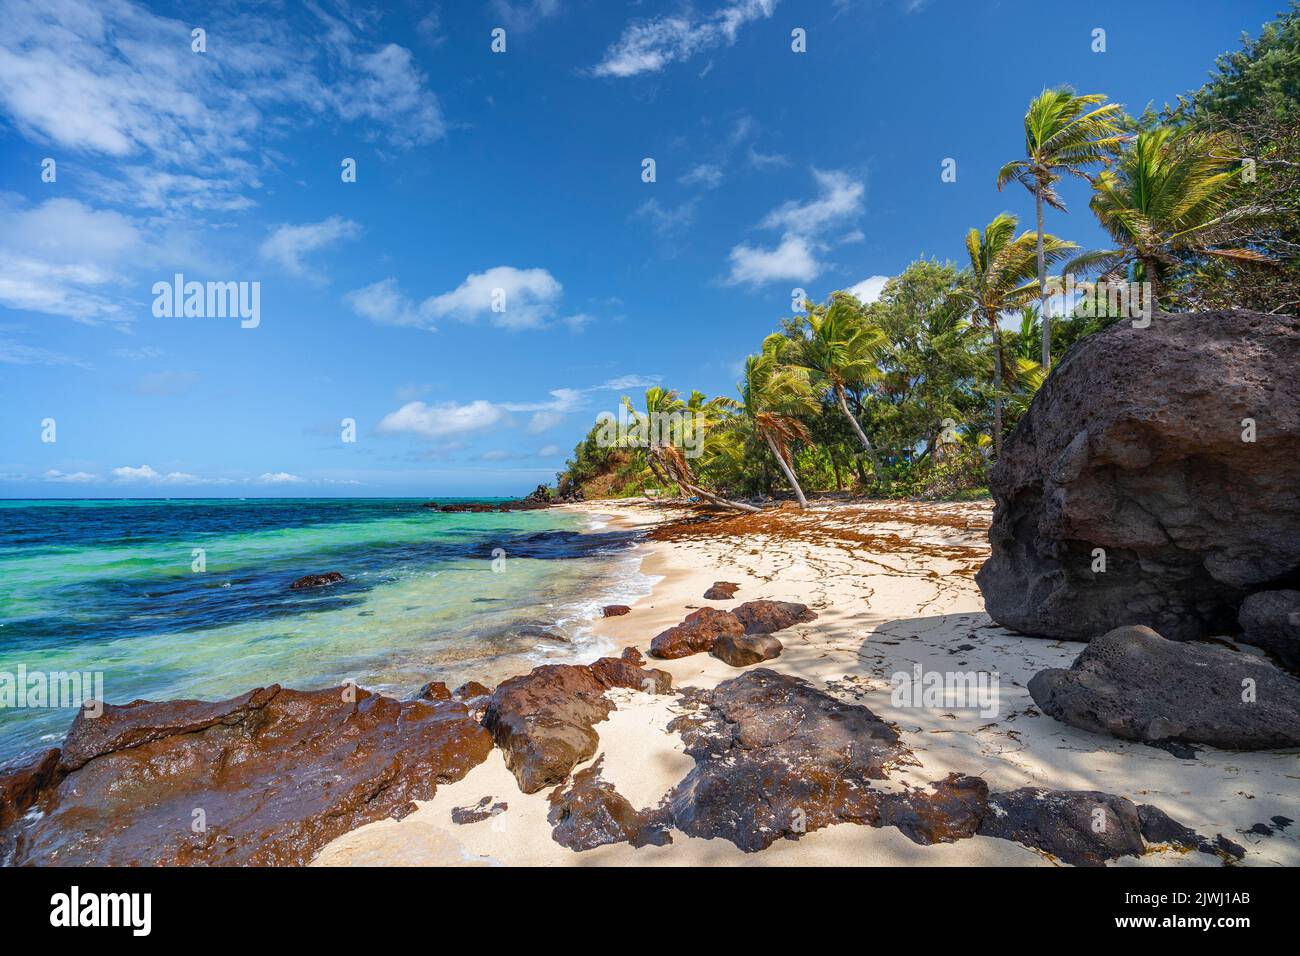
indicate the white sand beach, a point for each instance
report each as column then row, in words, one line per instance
column 892, row 585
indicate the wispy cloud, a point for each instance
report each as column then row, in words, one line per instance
column 289, row 244
column 507, row 297
column 647, row 46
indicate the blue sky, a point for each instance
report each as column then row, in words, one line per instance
column 478, row 171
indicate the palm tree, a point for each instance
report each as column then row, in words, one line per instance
column 840, row 352
column 664, row 455
column 1002, row 278
column 1171, row 192
column 1062, row 134
column 773, row 393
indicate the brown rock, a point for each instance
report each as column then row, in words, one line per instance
column 696, row 634
column 721, row 591
column 470, row 690
column 21, row 784
column 950, row 811
column 1079, row 827
column 589, row 812
column 316, row 580
column 479, row 812
column 743, row 651
column 272, row 776
column 616, row 610
column 543, row 720
column 434, row 690
column 764, row 617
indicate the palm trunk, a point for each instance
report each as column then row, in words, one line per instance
column 1042, row 287
column 997, row 387
column 788, row 471
column 1152, row 269
column 862, row 436
column 696, row 489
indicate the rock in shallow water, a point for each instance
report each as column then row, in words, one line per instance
column 1134, row 684
column 1134, row 445
column 267, row 778
column 316, row 581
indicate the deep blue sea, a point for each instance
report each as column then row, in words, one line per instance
column 112, row 587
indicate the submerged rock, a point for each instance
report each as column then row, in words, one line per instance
column 267, row 778
column 764, row 617
column 1271, row 620
column 1134, row 452
column 743, row 651
column 316, row 581
column 696, row 634
column 1134, row 684
column 721, row 591
column 543, row 720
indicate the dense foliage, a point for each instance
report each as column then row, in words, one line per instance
column 912, row 394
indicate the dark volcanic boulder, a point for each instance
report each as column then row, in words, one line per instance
column 21, row 784
column 1271, row 620
column 743, row 651
column 1134, row 684
column 543, row 720
column 764, row 617
column 267, row 778
column 615, row 610
column 721, row 591
column 1079, row 827
column 1134, row 445
column 696, row 634
column 316, row 580
column 777, row 757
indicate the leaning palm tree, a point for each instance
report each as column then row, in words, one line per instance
column 773, row 394
column 840, row 352
column 1173, row 191
column 1001, row 278
column 1063, row 134
column 668, row 424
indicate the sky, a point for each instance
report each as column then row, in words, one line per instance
column 502, row 267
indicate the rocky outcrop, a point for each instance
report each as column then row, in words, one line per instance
column 1079, row 827
column 1134, row 684
column 765, row 617
column 696, row 634
column 589, row 812
column 776, row 757
column 489, row 507
column 743, row 651
column 1271, row 620
column 721, row 591
column 316, row 581
column 615, row 610
column 1170, row 452
column 543, row 721
column 267, row 778
column 21, row 784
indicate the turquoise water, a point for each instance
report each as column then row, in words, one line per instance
column 110, row 586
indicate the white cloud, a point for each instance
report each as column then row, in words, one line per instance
column 74, row 478
column 869, row 289
column 441, row 419
column 510, row 298
column 113, row 78
column 667, row 220
column 803, row 224
column 707, row 174
column 550, row 451
column 18, row 353
column 146, row 474
column 541, row 421
column 277, row 478
column 523, row 15
column 647, row 46
column 289, row 243
column 839, row 196
column 792, row 259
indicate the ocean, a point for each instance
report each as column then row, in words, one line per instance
column 191, row 598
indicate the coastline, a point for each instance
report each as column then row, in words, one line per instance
column 892, row 584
